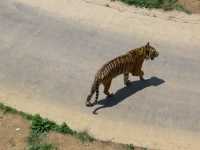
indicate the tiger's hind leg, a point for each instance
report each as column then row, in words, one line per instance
column 107, row 87
column 88, row 101
column 126, row 80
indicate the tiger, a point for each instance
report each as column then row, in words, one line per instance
column 130, row 62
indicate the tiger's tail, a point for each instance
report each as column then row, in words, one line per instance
column 95, row 88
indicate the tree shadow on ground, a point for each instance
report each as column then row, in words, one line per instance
column 125, row 92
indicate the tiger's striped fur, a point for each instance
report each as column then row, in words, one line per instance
column 131, row 62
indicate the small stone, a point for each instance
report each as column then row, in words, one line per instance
column 107, row 5
column 17, row 129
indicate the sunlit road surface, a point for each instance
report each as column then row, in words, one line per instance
column 47, row 65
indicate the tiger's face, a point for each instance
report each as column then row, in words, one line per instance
column 151, row 52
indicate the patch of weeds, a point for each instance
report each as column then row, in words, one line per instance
column 7, row 109
column 144, row 3
column 40, row 127
column 64, row 128
column 179, row 7
column 130, row 147
column 84, row 137
column 33, row 138
column 162, row 4
column 25, row 115
column 44, row 146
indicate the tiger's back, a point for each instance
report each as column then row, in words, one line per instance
column 115, row 67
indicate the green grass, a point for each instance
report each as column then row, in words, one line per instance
column 162, row 4
column 7, row 109
column 41, row 126
column 130, row 147
column 84, row 137
column 44, row 146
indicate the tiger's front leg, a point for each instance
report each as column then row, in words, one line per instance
column 126, row 80
column 139, row 73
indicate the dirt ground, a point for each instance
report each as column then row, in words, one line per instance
column 192, row 5
column 68, row 142
column 14, row 131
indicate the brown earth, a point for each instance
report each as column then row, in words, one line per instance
column 68, row 142
column 14, row 131
column 191, row 5
column 64, row 142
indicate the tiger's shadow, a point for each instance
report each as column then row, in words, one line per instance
column 125, row 92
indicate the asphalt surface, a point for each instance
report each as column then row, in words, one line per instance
column 57, row 58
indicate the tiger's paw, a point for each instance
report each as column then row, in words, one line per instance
column 142, row 79
column 128, row 83
column 110, row 95
column 89, row 104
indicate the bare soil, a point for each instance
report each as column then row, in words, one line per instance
column 64, row 142
column 191, row 5
column 68, row 142
column 14, row 131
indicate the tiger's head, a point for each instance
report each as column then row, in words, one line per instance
column 150, row 52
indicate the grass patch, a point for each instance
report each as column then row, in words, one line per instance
column 84, row 137
column 7, row 109
column 41, row 126
column 35, row 142
column 130, row 147
column 161, row 4
column 42, row 147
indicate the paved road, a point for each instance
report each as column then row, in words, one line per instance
column 57, row 58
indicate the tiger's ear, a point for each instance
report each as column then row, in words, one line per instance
column 147, row 49
column 148, row 44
